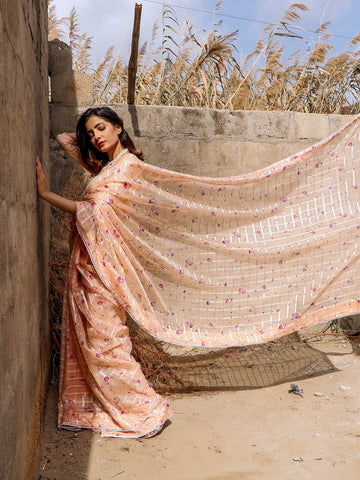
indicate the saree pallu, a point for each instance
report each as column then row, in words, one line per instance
column 219, row 262
column 216, row 262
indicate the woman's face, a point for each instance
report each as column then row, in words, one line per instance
column 103, row 134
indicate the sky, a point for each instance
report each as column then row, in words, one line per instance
column 110, row 22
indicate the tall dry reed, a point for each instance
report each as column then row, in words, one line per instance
column 200, row 70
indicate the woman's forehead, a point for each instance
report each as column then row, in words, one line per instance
column 94, row 121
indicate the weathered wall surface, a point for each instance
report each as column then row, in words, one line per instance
column 24, row 335
column 220, row 143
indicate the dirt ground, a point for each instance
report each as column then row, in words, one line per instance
column 264, row 433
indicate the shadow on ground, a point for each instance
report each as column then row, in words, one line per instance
column 240, row 368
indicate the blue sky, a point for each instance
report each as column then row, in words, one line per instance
column 110, row 22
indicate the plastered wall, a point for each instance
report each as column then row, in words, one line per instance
column 24, row 332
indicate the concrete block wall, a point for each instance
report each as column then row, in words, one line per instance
column 221, row 143
column 24, row 224
column 208, row 142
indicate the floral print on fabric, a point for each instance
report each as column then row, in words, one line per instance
column 102, row 387
column 219, row 262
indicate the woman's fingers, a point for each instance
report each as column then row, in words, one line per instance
column 41, row 180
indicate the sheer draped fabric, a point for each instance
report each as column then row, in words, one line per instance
column 219, row 262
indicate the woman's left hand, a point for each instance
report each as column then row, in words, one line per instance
column 41, row 180
column 43, row 192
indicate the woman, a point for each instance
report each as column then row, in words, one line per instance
column 197, row 261
column 102, row 387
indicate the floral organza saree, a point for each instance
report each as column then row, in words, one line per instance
column 200, row 261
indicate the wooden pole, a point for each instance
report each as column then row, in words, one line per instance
column 132, row 70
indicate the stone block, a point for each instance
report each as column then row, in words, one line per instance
column 83, row 89
column 60, row 58
column 268, row 124
column 63, row 90
column 338, row 121
column 309, row 126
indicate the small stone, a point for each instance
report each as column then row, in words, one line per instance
column 295, row 389
column 298, row 459
column 344, row 388
column 318, row 394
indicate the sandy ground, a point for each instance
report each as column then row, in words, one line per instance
column 266, row 433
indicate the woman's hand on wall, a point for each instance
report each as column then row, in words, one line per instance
column 41, row 180
column 43, row 192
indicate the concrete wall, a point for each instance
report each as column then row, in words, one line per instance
column 220, row 143
column 24, row 334
column 206, row 142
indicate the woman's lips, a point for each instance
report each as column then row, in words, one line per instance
column 101, row 144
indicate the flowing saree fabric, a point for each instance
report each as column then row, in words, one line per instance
column 101, row 385
column 218, row 262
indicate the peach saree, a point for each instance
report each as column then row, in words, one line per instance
column 200, row 261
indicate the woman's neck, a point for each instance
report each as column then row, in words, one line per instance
column 117, row 150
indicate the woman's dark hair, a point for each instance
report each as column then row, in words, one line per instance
column 92, row 157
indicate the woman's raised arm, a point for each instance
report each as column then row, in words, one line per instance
column 68, row 143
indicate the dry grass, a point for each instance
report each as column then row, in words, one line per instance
column 61, row 234
column 195, row 70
